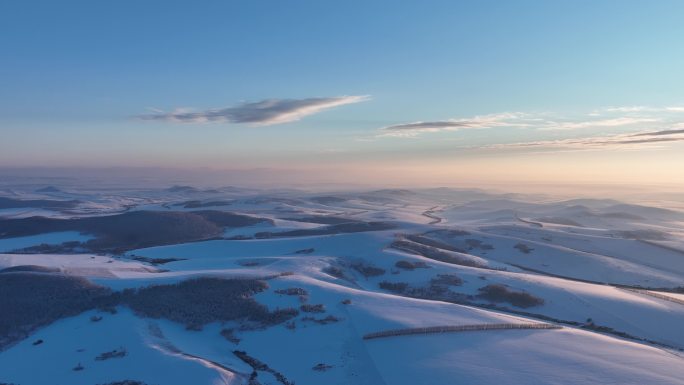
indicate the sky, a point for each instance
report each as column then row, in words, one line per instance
column 399, row 92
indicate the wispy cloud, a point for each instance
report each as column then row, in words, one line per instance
column 618, row 141
column 662, row 132
column 265, row 112
column 641, row 109
column 512, row 119
column 605, row 119
column 597, row 123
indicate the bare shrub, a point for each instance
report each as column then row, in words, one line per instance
column 335, row 272
column 305, row 251
column 472, row 243
column 116, row 353
column 258, row 365
column 523, row 248
column 229, row 334
column 292, row 291
column 397, row 287
column 321, row 367
column 605, row 329
column 436, row 292
column 368, row 270
column 308, row 308
column 447, row 280
column 322, row 321
column 408, row 265
column 501, row 293
column 249, row 263
column 279, row 316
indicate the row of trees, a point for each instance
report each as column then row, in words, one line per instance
column 457, row 328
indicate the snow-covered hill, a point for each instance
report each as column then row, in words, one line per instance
column 460, row 286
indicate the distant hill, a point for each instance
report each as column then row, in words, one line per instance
column 328, row 200
column 182, row 189
column 49, row 189
column 10, row 203
column 134, row 229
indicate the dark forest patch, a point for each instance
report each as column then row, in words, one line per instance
column 197, row 302
column 33, row 300
column 501, row 293
column 433, row 253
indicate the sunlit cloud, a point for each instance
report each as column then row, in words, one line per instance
column 598, row 123
column 265, row 112
column 626, row 109
column 639, row 109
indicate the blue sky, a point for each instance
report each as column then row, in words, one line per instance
column 103, row 84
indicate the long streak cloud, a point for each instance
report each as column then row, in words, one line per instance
column 265, row 112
